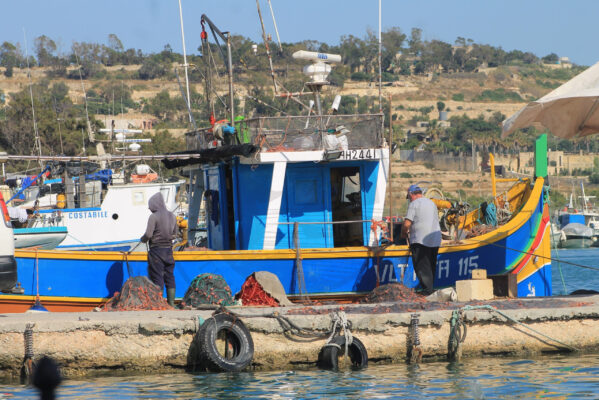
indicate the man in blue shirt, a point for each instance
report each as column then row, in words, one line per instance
column 421, row 225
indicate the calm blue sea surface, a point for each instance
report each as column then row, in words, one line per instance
column 557, row 376
column 575, row 277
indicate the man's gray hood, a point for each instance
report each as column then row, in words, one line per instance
column 156, row 203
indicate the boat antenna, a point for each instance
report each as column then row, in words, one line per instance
column 89, row 127
column 380, row 64
column 264, row 38
column 191, row 118
column 38, row 142
column 185, row 65
column 274, row 21
column 58, row 122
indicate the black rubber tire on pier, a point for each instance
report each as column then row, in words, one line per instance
column 328, row 358
column 238, row 342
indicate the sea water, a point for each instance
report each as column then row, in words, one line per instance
column 558, row 377
column 555, row 376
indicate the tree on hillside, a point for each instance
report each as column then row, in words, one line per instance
column 44, row 50
column 352, row 51
column 415, row 42
column 164, row 107
column 437, row 54
column 392, row 40
column 153, row 68
column 551, row 58
column 10, row 57
column 52, row 107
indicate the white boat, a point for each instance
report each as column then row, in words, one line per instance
column 44, row 238
column 116, row 224
column 108, row 217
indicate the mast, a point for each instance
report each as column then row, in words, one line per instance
column 274, row 21
column 185, row 65
column 38, row 142
column 272, row 71
column 380, row 64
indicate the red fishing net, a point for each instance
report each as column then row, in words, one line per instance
column 393, row 292
column 137, row 294
column 253, row 294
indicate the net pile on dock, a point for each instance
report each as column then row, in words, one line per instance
column 263, row 288
column 207, row 289
column 137, row 294
column 393, row 292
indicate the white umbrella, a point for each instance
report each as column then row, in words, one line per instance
column 570, row 111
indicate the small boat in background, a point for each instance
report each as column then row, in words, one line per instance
column 576, row 236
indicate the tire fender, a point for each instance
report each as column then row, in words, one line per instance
column 239, row 339
column 328, row 358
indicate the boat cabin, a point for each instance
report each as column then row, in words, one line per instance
column 314, row 182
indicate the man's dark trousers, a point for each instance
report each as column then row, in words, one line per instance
column 424, row 260
column 161, row 265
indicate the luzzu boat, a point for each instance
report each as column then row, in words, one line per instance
column 301, row 197
column 266, row 213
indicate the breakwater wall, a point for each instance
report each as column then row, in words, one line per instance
column 93, row 343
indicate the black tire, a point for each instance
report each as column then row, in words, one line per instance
column 237, row 339
column 328, row 358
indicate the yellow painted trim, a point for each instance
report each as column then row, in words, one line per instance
column 325, row 253
column 53, row 298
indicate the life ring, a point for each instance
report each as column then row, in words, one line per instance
column 328, row 358
column 239, row 346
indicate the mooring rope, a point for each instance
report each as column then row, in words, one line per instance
column 339, row 320
column 493, row 309
column 532, row 253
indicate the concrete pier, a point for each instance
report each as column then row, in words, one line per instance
column 93, row 343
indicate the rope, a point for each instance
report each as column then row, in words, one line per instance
column 493, row 309
column 559, row 265
column 339, row 320
column 537, row 255
column 457, row 335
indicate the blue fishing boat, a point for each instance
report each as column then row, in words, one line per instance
column 302, row 197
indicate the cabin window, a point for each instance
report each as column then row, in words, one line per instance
column 346, row 202
column 139, row 197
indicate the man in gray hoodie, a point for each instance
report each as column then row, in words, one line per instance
column 160, row 232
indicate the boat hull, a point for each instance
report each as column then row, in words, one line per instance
column 521, row 247
column 576, row 242
column 40, row 238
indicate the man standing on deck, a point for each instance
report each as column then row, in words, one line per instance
column 422, row 225
column 160, row 232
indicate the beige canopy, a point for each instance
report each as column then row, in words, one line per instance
column 570, row 111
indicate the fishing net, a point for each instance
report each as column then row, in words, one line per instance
column 393, row 292
column 138, row 293
column 207, row 289
column 263, row 288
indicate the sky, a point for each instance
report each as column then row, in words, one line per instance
column 566, row 28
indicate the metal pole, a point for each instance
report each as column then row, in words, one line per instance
column 185, row 65
column 272, row 71
column 275, row 24
column 390, row 169
column 380, row 64
column 232, row 99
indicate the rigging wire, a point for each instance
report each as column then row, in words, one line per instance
column 38, row 143
column 264, row 38
column 274, row 21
